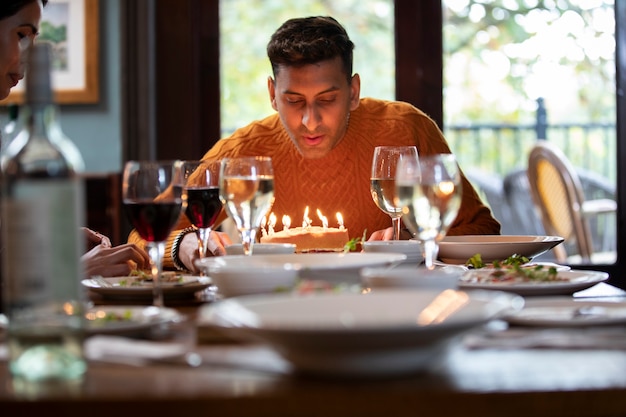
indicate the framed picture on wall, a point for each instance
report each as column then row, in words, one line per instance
column 72, row 28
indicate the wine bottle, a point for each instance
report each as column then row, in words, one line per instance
column 42, row 210
column 11, row 128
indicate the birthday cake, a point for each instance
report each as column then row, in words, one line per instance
column 310, row 238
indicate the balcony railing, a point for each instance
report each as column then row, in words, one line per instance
column 500, row 148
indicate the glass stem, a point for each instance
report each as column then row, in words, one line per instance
column 395, row 224
column 431, row 250
column 247, row 240
column 203, row 241
column 155, row 252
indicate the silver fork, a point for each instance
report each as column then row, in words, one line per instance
column 101, row 281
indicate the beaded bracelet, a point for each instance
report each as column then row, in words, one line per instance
column 176, row 245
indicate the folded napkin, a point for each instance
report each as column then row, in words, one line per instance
column 128, row 351
column 134, row 352
column 605, row 337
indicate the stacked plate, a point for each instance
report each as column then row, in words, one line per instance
column 411, row 248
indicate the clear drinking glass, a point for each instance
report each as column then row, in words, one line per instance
column 429, row 192
column 247, row 191
column 383, row 180
column 151, row 194
column 202, row 194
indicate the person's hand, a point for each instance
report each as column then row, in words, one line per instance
column 385, row 234
column 94, row 238
column 102, row 259
column 188, row 249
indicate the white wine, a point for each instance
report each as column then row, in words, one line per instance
column 384, row 195
column 247, row 199
column 430, row 207
column 43, row 207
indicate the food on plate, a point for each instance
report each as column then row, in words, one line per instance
column 514, row 269
column 476, row 262
column 310, row 238
column 139, row 277
column 100, row 317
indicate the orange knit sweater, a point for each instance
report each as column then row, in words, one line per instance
column 340, row 181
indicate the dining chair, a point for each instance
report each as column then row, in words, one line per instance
column 558, row 195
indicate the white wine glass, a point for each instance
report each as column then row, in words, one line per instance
column 151, row 195
column 247, row 192
column 201, row 191
column 429, row 191
column 383, row 181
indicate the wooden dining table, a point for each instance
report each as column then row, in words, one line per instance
column 250, row 379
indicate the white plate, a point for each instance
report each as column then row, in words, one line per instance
column 565, row 312
column 131, row 319
column 119, row 287
column 574, row 281
column 336, row 268
column 458, row 249
column 134, row 319
column 354, row 335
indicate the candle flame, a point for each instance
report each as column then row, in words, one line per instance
column 271, row 223
column 286, row 222
column 340, row 220
column 306, row 222
column 322, row 218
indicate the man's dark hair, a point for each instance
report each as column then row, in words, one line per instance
column 309, row 40
column 9, row 7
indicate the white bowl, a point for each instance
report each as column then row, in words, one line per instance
column 262, row 248
column 238, row 278
column 411, row 248
column 411, row 277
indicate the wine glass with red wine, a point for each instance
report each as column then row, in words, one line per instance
column 152, row 199
column 202, row 191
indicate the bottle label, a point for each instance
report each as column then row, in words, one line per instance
column 43, row 242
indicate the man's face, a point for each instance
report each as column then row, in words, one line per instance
column 16, row 35
column 314, row 104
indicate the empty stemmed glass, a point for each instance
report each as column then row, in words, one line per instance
column 151, row 195
column 202, row 193
column 383, row 180
column 429, row 192
column 247, row 191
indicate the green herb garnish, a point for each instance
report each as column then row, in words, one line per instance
column 352, row 244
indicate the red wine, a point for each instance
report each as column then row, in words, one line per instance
column 203, row 206
column 153, row 220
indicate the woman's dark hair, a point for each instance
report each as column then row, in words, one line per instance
column 309, row 40
column 9, row 7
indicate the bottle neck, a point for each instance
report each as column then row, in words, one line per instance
column 41, row 119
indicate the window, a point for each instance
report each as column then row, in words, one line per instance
column 246, row 27
column 519, row 71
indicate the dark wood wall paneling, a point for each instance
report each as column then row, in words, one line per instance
column 419, row 55
column 182, row 97
column 187, row 77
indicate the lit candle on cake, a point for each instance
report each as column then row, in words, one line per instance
column 263, row 223
column 271, row 224
column 306, row 222
column 323, row 219
column 309, row 238
column 340, row 220
column 286, row 222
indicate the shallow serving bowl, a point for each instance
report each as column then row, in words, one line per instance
column 335, row 268
column 458, row 249
column 411, row 277
column 233, row 276
column 380, row 334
